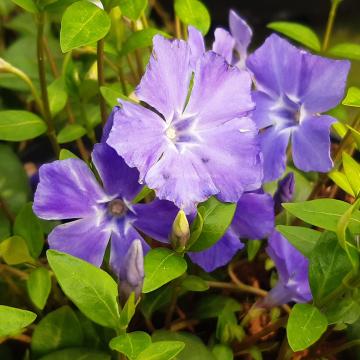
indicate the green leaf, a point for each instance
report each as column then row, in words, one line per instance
column 127, row 312
column 70, row 133
column 131, row 344
column 193, row 12
column 111, row 96
column 161, row 350
column 222, row 352
column 83, row 23
column 253, row 247
column 161, row 266
column 155, row 300
column 329, row 264
column 39, row 286
column 305, row 326
column 298, row 32
column 304, row 239
column 28, row 5
column 132, row 8
column 356, row 135
column 77, row 354
column 341, row 180
column 352, row 172
column 18, row 125
column 324, row 213
column 28, row 226
column 346, row 50
column 66, row 154
column 14, row 320
column 57, row 330
column 213, row 305
column 352, row 97
column 194, row 283
column 15, row 251
column 145, row 191
column 217, row 216
column 57, row 96
column 343, row 311
column 92, row 290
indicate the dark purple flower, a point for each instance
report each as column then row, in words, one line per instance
column 194, row 145
column 293, row 88
column 293, row 268
column 68, row 190
column 284, row 192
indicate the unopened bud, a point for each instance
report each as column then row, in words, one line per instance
column 180, row 232
column 131, row 274
column 284, row 192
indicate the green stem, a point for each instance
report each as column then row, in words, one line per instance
column 330, row 24
column 43, row 85
column 101, row 78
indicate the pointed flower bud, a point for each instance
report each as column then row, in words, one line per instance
column 131, row 274
column 180, row 234
column 284, row 192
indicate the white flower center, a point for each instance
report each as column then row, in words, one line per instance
column 171, row 133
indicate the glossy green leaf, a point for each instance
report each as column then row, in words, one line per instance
column 83, row 23
column 39, row 286
column 161, row 266
column 341, row 180
column 19, row 125
column 352, row 172
column 352, row 97
column 57, row 330
column 14, row 320
column 66, row 154
column 298, row 32
column 28, row 226
column 131, row 344
column 305, row 326
column 324, row 213
column 304, row 239
column 346, row 50
column 193, row 12
column 217, row 216
column 70, row 133
column 132, row 8
column 92, row 290
column 329, row 264
column 15, row 251
column 127, row 312
column 194, row 283
column 57, row 96
column 28, row 5
column 77, row 354
column 161, row 350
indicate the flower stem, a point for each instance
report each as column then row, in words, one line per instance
column 330, row 24
column 101, row 78
column 43, row 85
column 177, row 27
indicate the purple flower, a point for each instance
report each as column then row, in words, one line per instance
column 293, row 268
column 293, row 88
column 68, row 190
column 253, row 219
column 284, row 192
column 231, row 45
column 191, row 144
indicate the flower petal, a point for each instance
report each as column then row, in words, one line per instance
column 224, row 44
column 165, row 83
column 197, row 45
column 263, row 115
column 67, row 190
column 118, row 178
column 219, row 254
column 85, row 238
column 241, row 31
column 311, row 144
column 138, row 136
column 108, row 125
column 254, row 216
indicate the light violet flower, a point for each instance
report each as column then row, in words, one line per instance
column 293, row 88
column 68, row 190
column 196, row 140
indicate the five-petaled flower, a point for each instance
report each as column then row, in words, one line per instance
column 196, row 140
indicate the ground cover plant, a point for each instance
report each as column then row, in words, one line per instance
column 172, row 192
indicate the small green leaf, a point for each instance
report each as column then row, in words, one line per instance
column 57, row 96
column 77, row 354
column 161, row 266
column 341, row 180
column 217, row 216
column 305, row 326
column 39, row 286
column 28, row 5
column 58, row 329
column 14, row 320
column 352, row 172
column 298, row 32
column 131, row 344
column 304, row 239
column 90, row 288
column 28, row 226
column 222, row 352
column 66, row 154
column 15, row 251
column 18, row 125
column 83, row 23
column 145, row 191
column 132, row 8
column 352, row 97
column 127, row 312
column 252, row 248
column 193, row 12
column 70, row 133
column 111, row 96
column 346, row 50
column 356, row 135
column 161, row 350
column 194, row 283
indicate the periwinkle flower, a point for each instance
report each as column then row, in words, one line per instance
column 196, row 140
column 69, row 190
column 284, row 192
column 293, row 88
